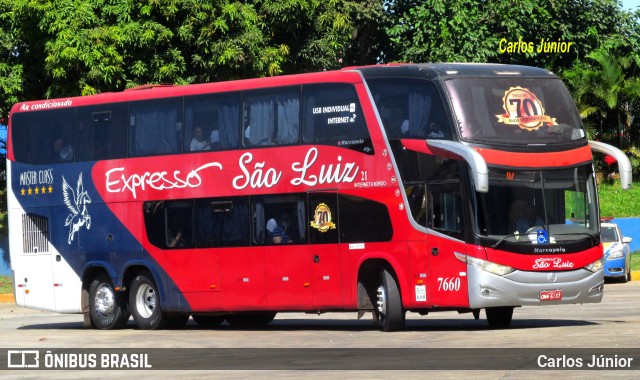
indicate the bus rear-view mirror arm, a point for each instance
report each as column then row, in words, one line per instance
column 476, row 162
column 624, row 165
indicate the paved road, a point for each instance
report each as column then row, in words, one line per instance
column 614, row 323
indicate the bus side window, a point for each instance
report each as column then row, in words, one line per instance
column 279, row 219
column 446, row 209
column 217, row 116
column 332, row 115
column 101, row 132
column 271, row 117
column 44, row 137
column 155, row 127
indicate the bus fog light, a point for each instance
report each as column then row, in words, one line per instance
column 598, row 289
column 484, row 292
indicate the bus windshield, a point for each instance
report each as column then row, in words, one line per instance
column 515, row 111
column 521, row 204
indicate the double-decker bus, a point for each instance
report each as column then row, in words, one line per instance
column 383, row 189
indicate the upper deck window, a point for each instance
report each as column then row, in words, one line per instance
column 44, row 137
column 271, row 117
column 410, row 108
column 101, row 132
column 515, row 111
column 212, row 122
column 155, row 127
column 333, row 115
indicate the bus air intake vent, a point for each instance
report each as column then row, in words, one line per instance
column 35, row 233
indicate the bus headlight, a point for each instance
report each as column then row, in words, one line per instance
column 487, row 266
column 595, row 266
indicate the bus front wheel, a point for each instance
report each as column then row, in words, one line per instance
column 499, row 317
column 389, row 312
column 144, row 301
column 106, row 307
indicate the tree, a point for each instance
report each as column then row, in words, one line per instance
column 471, row 31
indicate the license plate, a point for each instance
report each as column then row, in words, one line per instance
column 550, row 295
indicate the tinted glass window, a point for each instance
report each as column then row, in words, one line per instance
column 155, row 127
column 222, row 222
column 43, row 137
column 101, row 132
column 410, row 108
column 279, row 219
column 169, row 225
column 515, row 111
column 363, row 220
column 333, row 115
column 446, row 208
column 271, row 117
column 212, row 122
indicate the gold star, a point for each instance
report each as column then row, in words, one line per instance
column 43, row 190
column 37, row 190
column 22, row 191
column 29, row 191
column 50, row 189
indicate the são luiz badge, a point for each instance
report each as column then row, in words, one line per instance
column 322, row 218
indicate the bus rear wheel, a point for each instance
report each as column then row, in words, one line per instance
column 144, row 301
column 106, row 307
column 499, row 317
column 389, row 312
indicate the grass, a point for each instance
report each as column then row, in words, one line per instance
column 635, row 260
column 617, row 202
column 6, row 285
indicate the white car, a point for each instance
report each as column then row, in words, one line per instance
column 617, row 253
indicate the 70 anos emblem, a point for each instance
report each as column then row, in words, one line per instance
column 523, row 108
column 322, row 218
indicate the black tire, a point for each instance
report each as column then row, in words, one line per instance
column 249, row 320
column 107, row 308
column 389, row 312
column 499, row 317
column 144, row 302
column 627, row 276
column 208, row 320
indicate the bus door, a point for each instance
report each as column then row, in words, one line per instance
column 280, row 227
column 32, row 267
column 324, row 250
column 447, row 275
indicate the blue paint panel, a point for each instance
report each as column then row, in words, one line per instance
column 630, row 227
column 99, row 237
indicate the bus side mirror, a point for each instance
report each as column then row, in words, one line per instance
column 624, row 164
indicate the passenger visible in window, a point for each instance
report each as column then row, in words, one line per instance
column 175, row 237
column 199, row 142
column 277, row 233
column 215, row 139
column 62, row 152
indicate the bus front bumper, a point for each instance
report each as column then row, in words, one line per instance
column 533, row 288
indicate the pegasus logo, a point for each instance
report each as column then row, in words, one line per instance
column 77, row 203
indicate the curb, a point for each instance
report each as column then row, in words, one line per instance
column 635, row 276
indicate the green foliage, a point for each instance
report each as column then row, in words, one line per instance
column 619, row 203
column 6, row 285
column 635, row 261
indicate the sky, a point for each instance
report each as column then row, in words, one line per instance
column 630, row 4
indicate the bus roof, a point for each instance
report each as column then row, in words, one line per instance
column 348, row 75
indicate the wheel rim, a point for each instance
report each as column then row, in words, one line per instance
column 382, row 301
column 146, row 300
column 104, row 300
